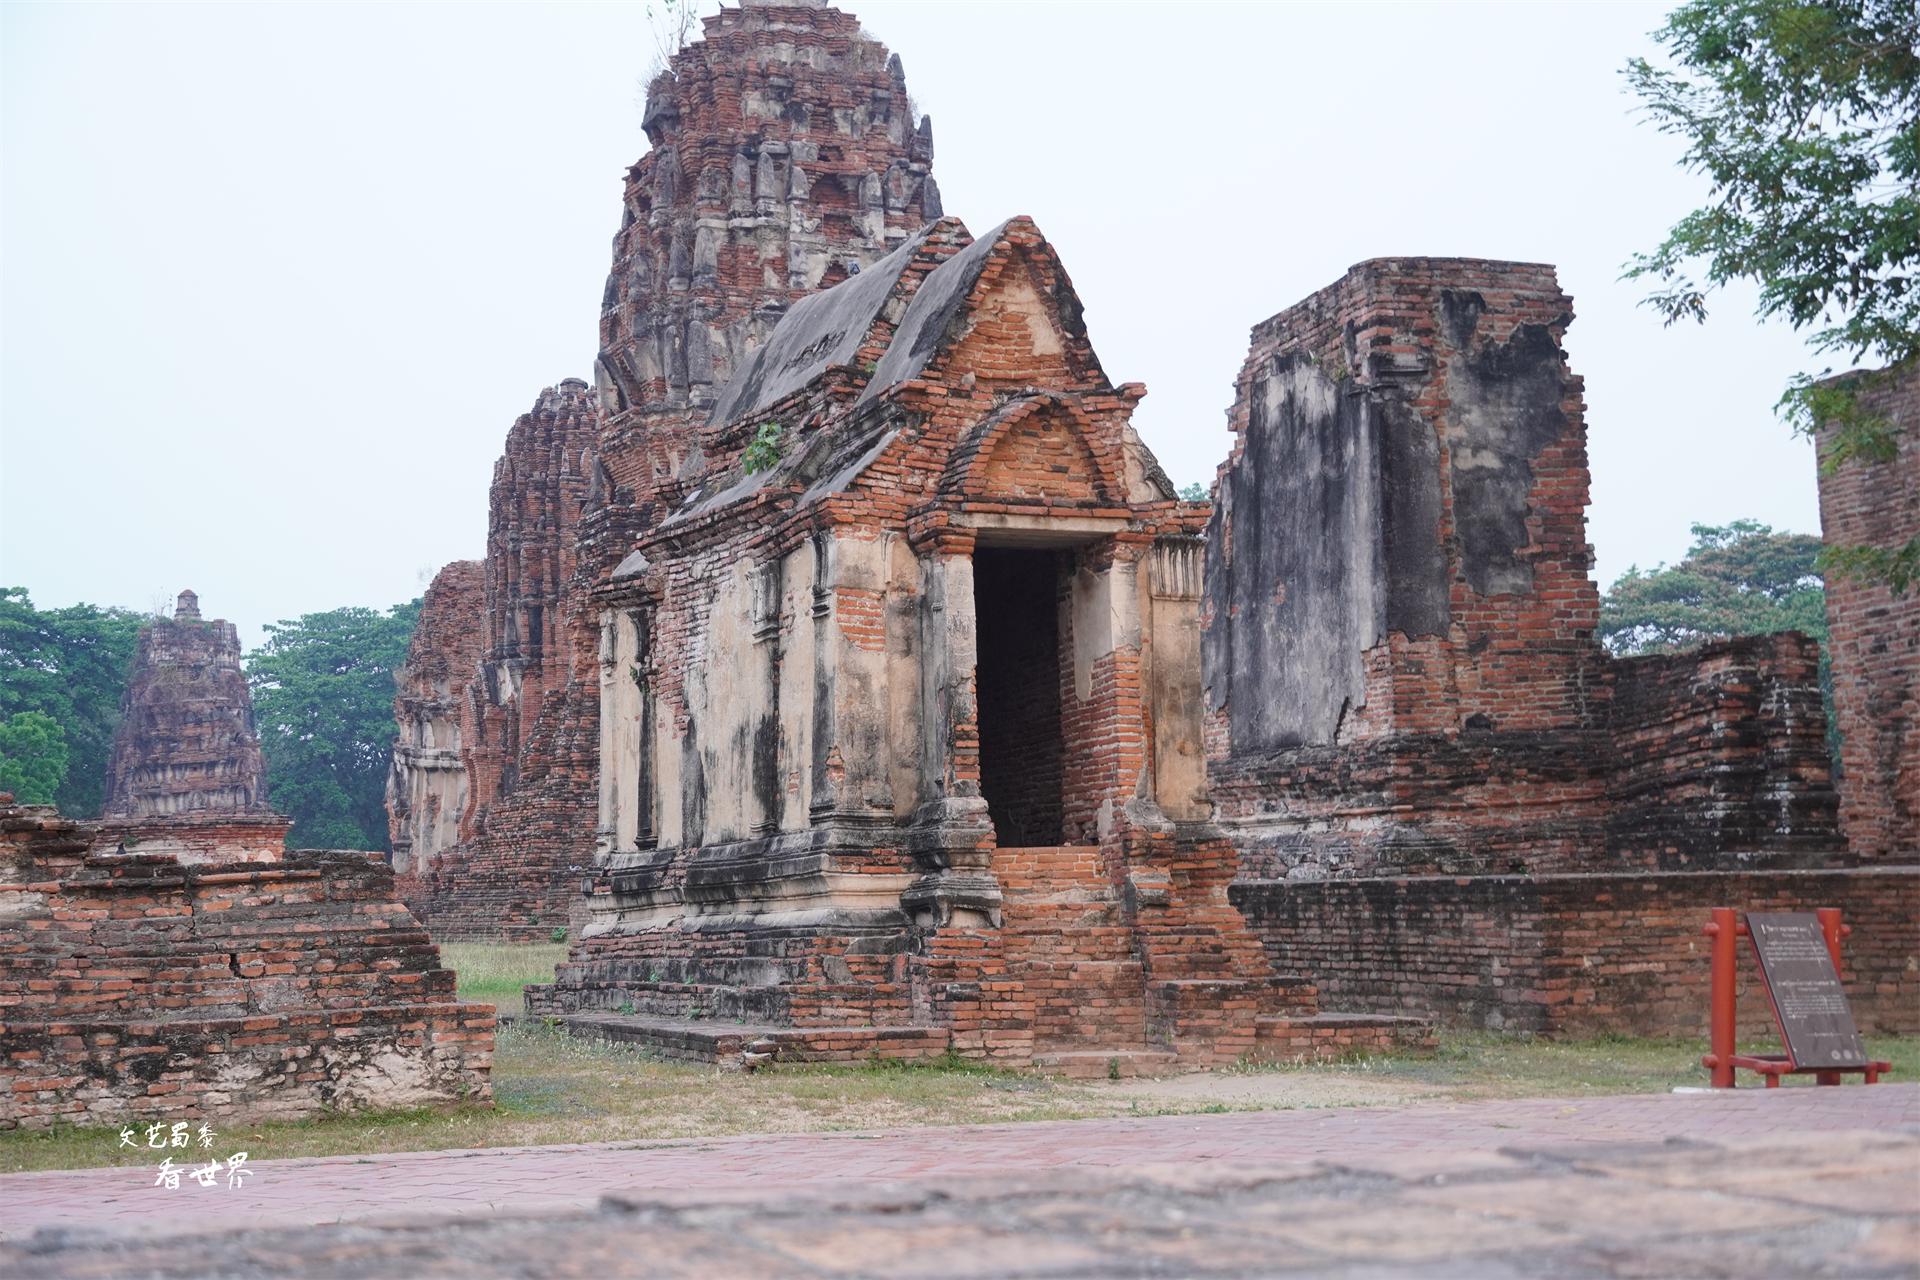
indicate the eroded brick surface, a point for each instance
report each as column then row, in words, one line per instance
column 186, row 776
column 1402, row 675
column 1579, row 954
column 1875, row 635
column 140, row 985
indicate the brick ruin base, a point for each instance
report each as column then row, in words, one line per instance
column 1578, row 954
column 143, row 986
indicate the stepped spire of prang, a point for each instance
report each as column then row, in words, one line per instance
column 785, row 156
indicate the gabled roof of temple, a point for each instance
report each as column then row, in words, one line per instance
column 935, row 303
column 916, row 302
column 822, row 330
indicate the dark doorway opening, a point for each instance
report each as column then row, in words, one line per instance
column 1017, row 691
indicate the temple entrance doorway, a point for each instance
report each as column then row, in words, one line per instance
column 1016, row 597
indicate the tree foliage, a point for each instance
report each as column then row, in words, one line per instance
column 1805, row 118
column 323, row 687
column 1738, row 579
column 69, row 666
column 33, row 757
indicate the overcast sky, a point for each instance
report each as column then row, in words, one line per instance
column 276, row 279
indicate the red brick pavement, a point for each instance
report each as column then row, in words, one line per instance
column 548, row 1179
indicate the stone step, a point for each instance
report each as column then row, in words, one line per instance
column 1107, row 1064
column 735, row 1044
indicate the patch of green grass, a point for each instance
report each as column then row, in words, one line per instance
column 1470, row 1064
column 494, row 973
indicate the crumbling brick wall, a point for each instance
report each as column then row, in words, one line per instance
column 1618, row 952
column 427, row 784
column 1874, row 634
column 1720, row 755
column 1402, row 675
column 141, row 986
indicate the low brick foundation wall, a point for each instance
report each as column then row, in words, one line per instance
column 1576, row 954
column 139, row 986
column 271, row 1067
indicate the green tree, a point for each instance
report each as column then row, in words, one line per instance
column 1805, row 118
column 1195, row 492
column 1739, row 579
column 69, row 665
column 323, row 701
column 33, row 757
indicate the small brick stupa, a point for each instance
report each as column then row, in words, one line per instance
column 187, row 777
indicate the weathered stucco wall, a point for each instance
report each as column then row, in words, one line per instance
column 1402, row 675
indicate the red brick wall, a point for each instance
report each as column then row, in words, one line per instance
column 1720, row 757
column 1576, row 954
column 136, row 986
column 1875, row 635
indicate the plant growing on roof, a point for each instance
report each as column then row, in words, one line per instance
column 763, row 451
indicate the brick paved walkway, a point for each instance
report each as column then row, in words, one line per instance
column 451, row 1184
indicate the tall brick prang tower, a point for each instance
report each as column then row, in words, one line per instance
column 186, row 776
column 784, row 157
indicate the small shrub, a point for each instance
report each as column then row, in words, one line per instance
column 764, row 450
column 558, row 935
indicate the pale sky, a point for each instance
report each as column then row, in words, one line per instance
column 276, row 279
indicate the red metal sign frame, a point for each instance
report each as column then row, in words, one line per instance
column 1726, row 929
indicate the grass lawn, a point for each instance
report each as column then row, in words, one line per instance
column 495, row 974
column 549, row 1087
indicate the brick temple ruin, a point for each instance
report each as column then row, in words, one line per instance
column 174, row 960
column 900, row 752
column 850, row 680
column 784, row 158
column 1446, row 796
column 186, row 776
